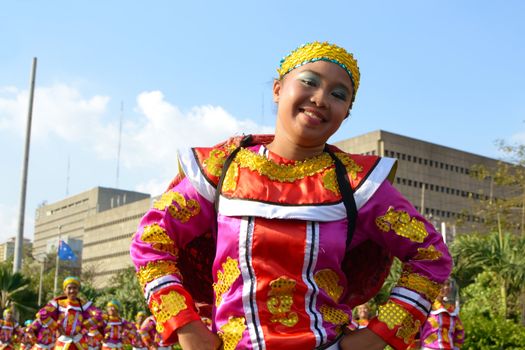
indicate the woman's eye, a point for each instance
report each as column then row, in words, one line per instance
column 309, row 82
column 340, row 95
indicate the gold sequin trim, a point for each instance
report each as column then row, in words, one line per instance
column 167, row 199
column 230, row 179
column 392, row 314
column 215, row 161
column 280, row 301
column 430, row 253
column 419, row 284
column 330, row 177
column 231, row 332
column 334, row 316
column 170, row 306
column 328, row 281
column 402, row 224
column 225, row 279
column 156, row 269
column 159, row 239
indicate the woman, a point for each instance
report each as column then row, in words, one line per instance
column 43, row 333
column 115, row 327
column 292, row 256
column 8, row 330
column 73, row 316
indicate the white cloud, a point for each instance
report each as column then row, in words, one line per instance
column 9, row 222
column 150, row 135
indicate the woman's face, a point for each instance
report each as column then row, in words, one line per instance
column 71, row 291
column 112, row 311
column 313, row 100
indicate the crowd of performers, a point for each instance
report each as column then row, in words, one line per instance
column 69, row 323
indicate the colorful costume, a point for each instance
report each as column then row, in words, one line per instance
column 8, row 334
column 115, row 329
column 443, row 329
column 135, row 338
column 282, row 274
column 150, row 336
column 25, row 337
column 73, row 317
column 44, row 332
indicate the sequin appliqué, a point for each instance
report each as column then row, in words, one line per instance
column 156, row 269
column 402, row 224
column 419, row 283
column 330, row 177
column 225, row 279
column 280, row 301
column 408, row 329
column 231, row 332
column 328, row 281
column 334, row 316
column 429, row 253
column 170, row 305
column 159, row 239
column 392, row 315
column 215, row 162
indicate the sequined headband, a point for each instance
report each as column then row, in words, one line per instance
column 317, row 51
column 114, row 303
column 71, row 280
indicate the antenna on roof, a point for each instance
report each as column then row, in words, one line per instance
column 119, row 140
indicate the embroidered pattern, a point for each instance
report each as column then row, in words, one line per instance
column 231, row 332
column 225, row 279
column 402, row 224
column 159, row 239
column 167, row 199
column 408, row 329
column 170, row 306
column 431, row 338
column 419, row 284
column 430, row 253
column 334, row 316
column 280, row 301
column 328, row 281
column 392, row 314
column 330, row 177
column 156, row 269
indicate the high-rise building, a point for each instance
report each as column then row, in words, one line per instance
column 7, row 248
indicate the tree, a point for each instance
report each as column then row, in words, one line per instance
column 500, row 255
column 14, row 291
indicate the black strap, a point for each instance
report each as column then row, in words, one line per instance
column 246, row 140
column 347, row 193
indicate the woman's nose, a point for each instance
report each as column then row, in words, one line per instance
column 318, row 98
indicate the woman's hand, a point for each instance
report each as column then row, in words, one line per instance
column 196, row 336
column 362, row 339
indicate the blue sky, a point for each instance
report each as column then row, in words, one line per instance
column 192, row 73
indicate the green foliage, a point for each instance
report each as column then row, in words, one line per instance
column 125, row 288
column 14, row 292
column 483, row 332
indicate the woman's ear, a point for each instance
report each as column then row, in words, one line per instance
column 276, row 90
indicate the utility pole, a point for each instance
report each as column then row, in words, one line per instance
column 19, row 242
column 55, row 287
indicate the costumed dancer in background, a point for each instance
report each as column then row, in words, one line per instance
column 363, row 315
column 151, row 336
column 25, row 337
column 73, row 315
column 135, row 337
column 94, row 334
column 8, row 330
column 115, row 327
column 43, row 333
column 300, row 231
column 443, row 329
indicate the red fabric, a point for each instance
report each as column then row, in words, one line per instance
column 386, row 334
column 169, row 334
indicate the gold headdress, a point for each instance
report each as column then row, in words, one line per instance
column 71, row 280
column 317, row 51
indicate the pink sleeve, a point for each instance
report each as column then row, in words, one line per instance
column 179, row 216
column 391, row 221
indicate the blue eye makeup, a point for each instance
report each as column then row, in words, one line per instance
column 309, row 78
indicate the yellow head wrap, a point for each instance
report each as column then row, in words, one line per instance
column 317, row 51
column 115, row 303
column 70, row 280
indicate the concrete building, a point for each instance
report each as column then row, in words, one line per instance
column 7, row 248
column 67, row 218
column 434, row 178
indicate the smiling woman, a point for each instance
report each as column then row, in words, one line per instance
column 284, row 234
